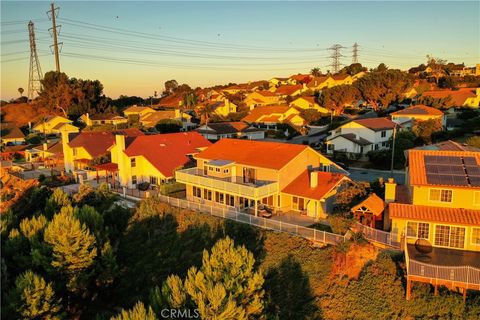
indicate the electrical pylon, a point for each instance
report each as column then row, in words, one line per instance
column 35, row 73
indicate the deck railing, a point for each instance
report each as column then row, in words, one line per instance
column 375, row 235
column 235, row 214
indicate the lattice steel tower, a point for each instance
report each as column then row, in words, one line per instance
column 35, row 74
column 336, row 55
column 355, row 53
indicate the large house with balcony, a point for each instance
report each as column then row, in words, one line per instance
column 361, row 136
column 438, row 218
column 244, row 174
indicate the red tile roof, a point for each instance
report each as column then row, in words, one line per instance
column 273, row 155
column 417, row 167
column 316, row 81
column 339, row 77
column 434, row 214
column 458, row 96
column 288, row 89
column 10, row 131
column 97, row 143
column 266, row 93
column 418, row 109
column 301, row 185
column 301, row 77
column 167, row 152
column 376, row 124
column 448, row 145
column 259, row 112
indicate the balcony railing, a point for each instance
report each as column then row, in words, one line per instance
column 256, row 190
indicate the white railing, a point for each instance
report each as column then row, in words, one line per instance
column 192, row 176
column 375, row 235
column 464, row 274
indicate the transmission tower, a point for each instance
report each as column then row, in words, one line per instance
column 355, row 53
column 35, row 74
column 52, row 14
column 336, row 55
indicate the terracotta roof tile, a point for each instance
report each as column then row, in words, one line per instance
column 167, row 152
column 448, row 145
column 434, row 214
column 10, row 131
column 458, row 96
column 301, row 185
column 418, row 109
column 288, row 89
column 373, row 203
column 263, row 111
column 273, row 155
column 226, row 127
column 376, row 124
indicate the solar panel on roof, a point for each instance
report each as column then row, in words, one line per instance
column 444, row 169
column 470, row 161
column 475, row 181
column 445, row 179
column 473, row 170
column 443, row 160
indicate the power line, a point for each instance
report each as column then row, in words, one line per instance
column 355, row 53
column 53, row 15
column 336, row 55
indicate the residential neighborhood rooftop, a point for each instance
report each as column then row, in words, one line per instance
column 434, row 214
column 301, row 186
column 418, row 109
column 376, row 124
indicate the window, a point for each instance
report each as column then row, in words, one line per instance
column 153, row 180
column 419, row 230
column 197, row 192
column 447, row 236
column 331, row 146
column 207, row 194
column 384, row 144
column 384, row 134
column 476, row 198
column 133, row 162
column 440, row 195
column 74, row 152
column 218, row 170
column 210, row 168
column 134, row 179
column 476, row 236
column 225, row 171
column 376, row 146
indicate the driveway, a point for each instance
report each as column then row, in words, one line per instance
column 359, row 174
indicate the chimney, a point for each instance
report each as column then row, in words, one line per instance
column 120, row 141
column 313, row 177
column 390, row 190
column 121, row 159
column 177, row 114
column 45, row 146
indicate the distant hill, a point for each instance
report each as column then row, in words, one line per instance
column 22, row 113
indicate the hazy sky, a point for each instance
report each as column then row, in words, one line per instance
column 133, row 47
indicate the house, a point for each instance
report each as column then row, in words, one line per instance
column 299, row 79
column 361, row 136
column 173, row 101
column 369, row 212
column 463, row 97
column 278, row 82
column 11, row 134
column 341, row 79
column 418, row 112
column 81, row 149
column 224, row 108
column 272, row 115
column 49, row 152
column 448, row 145
column 219, row 130
column 320, row 82
column 139, row 111
column 307, row 103
column 289, row 90
column 359, row 75
column 102, row 119
column 234, row 89
column 154, row 158
column 261, row 98
column 54, row 125
column 243, row 174
column 438, row 221
column 151, row 119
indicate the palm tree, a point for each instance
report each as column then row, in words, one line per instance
column 315, row 72
column 20, row 90
column 205, row 112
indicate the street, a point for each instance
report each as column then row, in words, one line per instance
column 369, row 175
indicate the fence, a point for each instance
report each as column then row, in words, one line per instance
column 235, row 215
column 464, row 274
column 375, row 235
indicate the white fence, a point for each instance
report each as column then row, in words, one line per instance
column 375, row 235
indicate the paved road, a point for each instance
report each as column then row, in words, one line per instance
column 371, row 175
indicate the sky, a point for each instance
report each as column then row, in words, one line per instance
column 133, row 47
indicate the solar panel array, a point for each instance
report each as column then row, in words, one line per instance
column 450, row 170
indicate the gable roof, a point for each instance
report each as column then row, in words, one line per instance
column 434, row 214
column 167, row 152
column 373, row 203
column 10, row 131
column 97, row 143
column 458, row 96
column 339, row 77
column 154, row 117
column 227, row 127
column 353, row 138
column 301, row 77
column 418, row 168
column 418, row 109
column 137, row 109
column 376, row 124
column 309, row 99
column 301, row 185
column 266, row 93
column 106, row 116
column 272, row 155
column 316, row 81
column 448, row 145
column 288, row 89
column 259, row 112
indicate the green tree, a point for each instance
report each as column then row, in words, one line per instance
column 225, row 287
column 425, row 129
column 33, row 298
column 30, row 227
column 349, row 195
column 20, row 90
column 138, row 312
column 353, row 69
column 315, row 72
column 72, row 244
column 382, row 67
column 205, row 112
column 56, row 91
column 57, row 201
column 190, row 99
column 337, row 97
column 168, row 126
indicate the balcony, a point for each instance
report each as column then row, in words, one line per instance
column 231, row 185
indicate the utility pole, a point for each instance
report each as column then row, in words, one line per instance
column 336, row 55
column 393, row 149
column 35, row 72
column 355, row 53
column 52, row 14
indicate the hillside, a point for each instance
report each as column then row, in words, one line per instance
column 22, row 113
